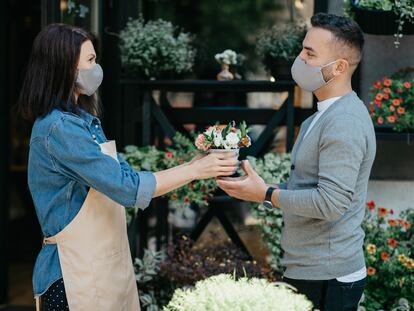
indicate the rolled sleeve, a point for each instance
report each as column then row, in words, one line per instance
column 146, row 189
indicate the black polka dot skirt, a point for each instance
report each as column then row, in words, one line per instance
column 55, row 298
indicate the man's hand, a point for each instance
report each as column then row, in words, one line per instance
column 250, row 187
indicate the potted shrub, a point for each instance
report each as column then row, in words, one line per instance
column 392, row 102
column 279, row 46
column 156, row 49
column 383, row 17
column 224, row 292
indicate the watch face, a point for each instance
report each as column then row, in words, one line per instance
column 268, row 204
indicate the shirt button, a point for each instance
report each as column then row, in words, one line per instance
column 94, row 136
column 96, row 126
column 292, row 167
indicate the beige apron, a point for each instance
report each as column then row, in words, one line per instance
column 95, row 257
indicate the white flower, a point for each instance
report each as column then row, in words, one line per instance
column 209, row 131
column 218, row 139
column 233, row 139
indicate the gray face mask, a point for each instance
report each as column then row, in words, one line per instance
column 89, row 80
column 308, row 77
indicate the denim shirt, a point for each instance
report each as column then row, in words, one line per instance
column 65, row 160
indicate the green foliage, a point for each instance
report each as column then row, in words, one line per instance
column 281, row 41
column 274, row 169
column 146, row 270
column 223, row 292
column 155, row 49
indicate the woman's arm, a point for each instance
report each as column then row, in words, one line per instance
column 202, row 167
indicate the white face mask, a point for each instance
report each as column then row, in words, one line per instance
column 308, row 77
column 88, row 80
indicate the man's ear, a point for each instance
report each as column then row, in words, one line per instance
column 341, row 66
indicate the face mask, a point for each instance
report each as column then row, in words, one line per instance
column 89, row 80
column 308, row 77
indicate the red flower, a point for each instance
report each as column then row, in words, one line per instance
column 396, row 102
column 385, row 256
column 169, row 155
column 187, row 200
column 205, row 198
column 392, row 108
column 379, row 104
column 392, row 243
column 401, row 110
column 391, row 119
column 407, row 85
column 385, row 96
column 377, row 85
column 399, row 90
column 387, row 82
column 371, row 205
column 387, row 90
column 380, row 120
column 378, row 96
column 204, row 189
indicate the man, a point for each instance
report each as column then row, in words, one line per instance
column 323, row 202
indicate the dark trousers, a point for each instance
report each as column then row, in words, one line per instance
column 330, row 295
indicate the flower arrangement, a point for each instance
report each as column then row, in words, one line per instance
column 392, row 101
column 274, row 169
column 224, row 137
column 389, row 253
column 155, row 49
column 224, row 292
column 228, row 57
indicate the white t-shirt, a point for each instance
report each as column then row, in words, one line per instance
column 322, row 107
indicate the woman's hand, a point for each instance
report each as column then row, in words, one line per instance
column 214, row 165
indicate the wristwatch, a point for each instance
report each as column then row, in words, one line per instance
column 268, row 198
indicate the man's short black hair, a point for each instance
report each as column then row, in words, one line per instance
column 343, row 28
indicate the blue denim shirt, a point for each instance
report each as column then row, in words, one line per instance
column 64, row 161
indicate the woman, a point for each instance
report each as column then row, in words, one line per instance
column 79, row 183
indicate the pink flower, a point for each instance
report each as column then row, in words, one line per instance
column 201, row 143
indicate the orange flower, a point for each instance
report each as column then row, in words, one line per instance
column 400, row 222
column 371, row 205
column 392, row 243
column 407, row 85
column 371, row 107
column 400, row 110
column 385, row 256
column 380, row 120
column 387, row 82
column 174, row 196
column 378, row 96
column 396, row 102
column 387, row 90
column 409, row 264
column 391, row 119
column 371, row 271
column 406, row 225
column 392, row 222
column 377, row 85
column 392, row 108
column 382, row 211
column 371, row 249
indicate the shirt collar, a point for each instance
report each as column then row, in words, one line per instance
column 325, row 104
column 89, row 118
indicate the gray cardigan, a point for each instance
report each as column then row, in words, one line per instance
column 323, row 202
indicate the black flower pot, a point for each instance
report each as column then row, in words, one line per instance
column 279, row 67
column 377, row 22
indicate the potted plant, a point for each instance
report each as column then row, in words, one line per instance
column 225, row 292
column 389, row 254
column 279, row 46
column 392, row 102
column 156, row 49
column 383, row 17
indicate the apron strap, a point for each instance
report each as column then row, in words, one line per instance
column 37, row 298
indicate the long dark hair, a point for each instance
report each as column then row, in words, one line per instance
column 51, row 73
